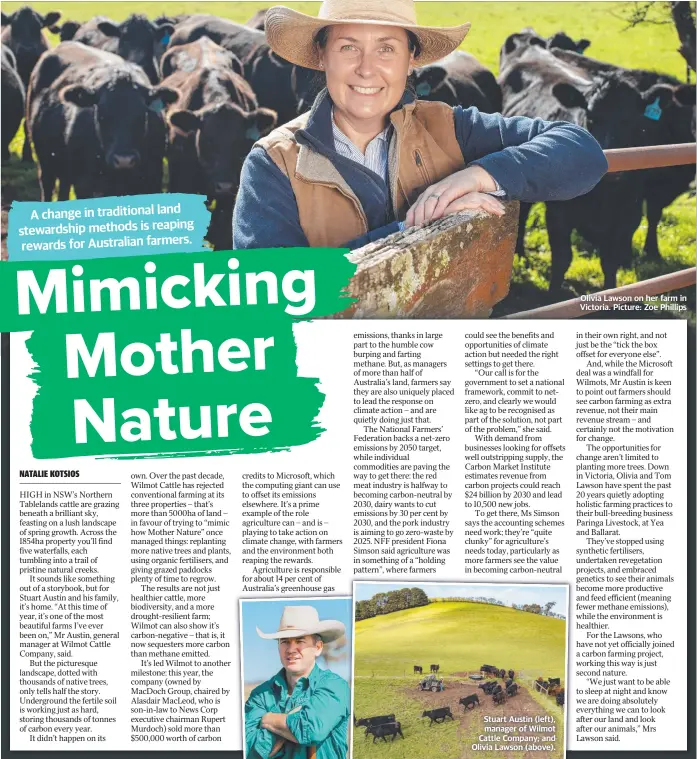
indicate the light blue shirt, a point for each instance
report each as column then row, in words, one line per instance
column 375, row 156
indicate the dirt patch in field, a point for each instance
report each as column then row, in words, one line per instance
column 517, row 712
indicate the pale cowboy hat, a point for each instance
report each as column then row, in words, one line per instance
column 291, row 34
column 298, row 621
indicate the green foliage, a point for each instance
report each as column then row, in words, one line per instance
column 393, row 600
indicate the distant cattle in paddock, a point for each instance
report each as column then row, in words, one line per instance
column 509, row 682
column 554, row 680
column 511, row 674
column 502, row 674
column 435, row 667
column 560, row 697
column 258, row 20
column 489, row 669
column 438, row 715
column 22, row 33
column 537, row 84
column 488, row 687
column 418, row 670
column 469, row 702
column 212, row 128
column 496, row 689
column 512, row 689
column 382, row 731
column 499, row 697
column 13, row 95
column 201, row 53
column 134, row 40
column 278, row 84
column 96, row 123
column 529, row 36
column 459, row 79
column 373, row 721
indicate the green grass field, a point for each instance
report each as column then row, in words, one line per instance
column 460, row 637
column 648, row 46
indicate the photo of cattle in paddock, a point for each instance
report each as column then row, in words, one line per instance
column 463, row 705
column 171, row 97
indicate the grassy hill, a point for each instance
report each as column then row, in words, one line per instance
column 460, row 637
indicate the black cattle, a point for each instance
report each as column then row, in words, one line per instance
column 258, row 20
column 213, row 126
column 418, row 670
column 496, row 689
column 499, row 697
column 435, row 667
column 488, row 687
column 372, row 721
column 438, row 715
column 199, row 54
column 459, row 79
column 555, row 680
column 67, row 30
column 502, row 673
column 509, row 682
column 511, row 674
column 535, row 83
column 382, row 731
column 22, row 33
column 489, row 669
column 469, row 702
column 560, row 698
column 278, row 84
column 664, row 185
column 512, row 689
column 133, row 39
column 96, row 124
column 12, row 93
column 528, row 37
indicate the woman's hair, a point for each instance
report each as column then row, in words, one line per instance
column 322, row 36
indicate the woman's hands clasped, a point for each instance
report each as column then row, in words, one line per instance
column 464, row 190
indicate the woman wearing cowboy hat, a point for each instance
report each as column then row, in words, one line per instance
column 303, row 710
column 369, row 159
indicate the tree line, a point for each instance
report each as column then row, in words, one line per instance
column 393, row 600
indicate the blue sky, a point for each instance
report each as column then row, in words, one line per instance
column 260, row 657
column 508, row 594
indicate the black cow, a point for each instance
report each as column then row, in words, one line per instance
column 469, row 702
column 555, row 680
column 258, row 20
column 511, row 674
column 213, row 126
column 199, row 54
column 662, row 186
column 372, row 721
column 536, row 83
column 488, row 669
column 381, row 731
column 133, row 39
column 435, row 667
column 502, row 673
column 499, row 697
column 438, row 715
column 12, row 93
column 560, row 698
column 22, row 33
column 488, row 687
column 512, row 689
column 496, row 689
column 275, row 81
column 418, row 670
column 509, row 682
column 459, row 79
column 529, row 36
column 96, row 124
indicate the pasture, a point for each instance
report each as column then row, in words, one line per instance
column 647, row 46
column 459, row 636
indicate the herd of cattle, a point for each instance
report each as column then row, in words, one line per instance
column 387, row 725
column 552, row 687
column 112, row 100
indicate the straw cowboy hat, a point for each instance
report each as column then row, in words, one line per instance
column 291, row 34
column 298, row 621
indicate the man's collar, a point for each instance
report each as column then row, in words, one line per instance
column 280, row 684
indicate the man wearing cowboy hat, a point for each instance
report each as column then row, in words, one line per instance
column 370, row 158
column 302, row 711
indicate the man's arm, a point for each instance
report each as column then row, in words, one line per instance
column 531, row 159
column 276, row 723
column 327, row 707
column 256, row 737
